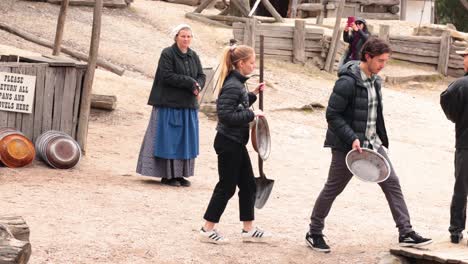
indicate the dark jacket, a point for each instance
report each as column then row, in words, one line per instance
column 454, row 102
column 355, row 48
column 348, row 109
column 233, row 110
column 175, row 79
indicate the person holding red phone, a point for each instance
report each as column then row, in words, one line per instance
column 356, row 34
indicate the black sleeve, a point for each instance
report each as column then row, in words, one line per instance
column 201, row 78
column 451, row 101
column 169, row 77
column 252, row 98
column 229, row 110
column 341, row 97
column 364, row 35
column 346, row 37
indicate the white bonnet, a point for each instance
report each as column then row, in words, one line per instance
column 178, row 28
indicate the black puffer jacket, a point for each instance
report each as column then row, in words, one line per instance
column 175, row 79
column 348, row 109
column 233, row 110
column 454, row 102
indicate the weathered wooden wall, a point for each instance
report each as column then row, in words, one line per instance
column 284, row 42
column 56, row 101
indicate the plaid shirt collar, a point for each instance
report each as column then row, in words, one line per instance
column 372, row 139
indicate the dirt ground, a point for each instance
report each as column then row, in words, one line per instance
column 103, row 212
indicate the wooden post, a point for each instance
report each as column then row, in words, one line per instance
column 88, row 81
column 60, row 26
column 250, row 35
column 404, row 6
column 444, row 55
column 384, row 33
column 299, row 41
column 272, row 10
column 335, row 38
column 203, row 5
column 294, row 8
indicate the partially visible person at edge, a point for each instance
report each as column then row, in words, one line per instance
column 356, row 35
column 170, row 145
column 454, row 102
column 234, row 166
column 355, row 120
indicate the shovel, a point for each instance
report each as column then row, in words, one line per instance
column 264, row 185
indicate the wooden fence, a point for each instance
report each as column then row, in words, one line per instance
column 57, row 95
column 299, row 43
column 296, row 43
column 437, row 51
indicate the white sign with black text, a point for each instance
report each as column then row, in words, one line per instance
column 17, row 92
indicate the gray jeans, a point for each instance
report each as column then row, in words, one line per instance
column 338, row 178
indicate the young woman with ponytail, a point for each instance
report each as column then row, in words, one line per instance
column 234, row 166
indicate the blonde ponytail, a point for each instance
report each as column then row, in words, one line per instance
column 229, row 59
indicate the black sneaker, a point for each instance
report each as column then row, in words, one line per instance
column 316, row 242
column 183, row 182
column 456, row 237
column 171, row 182
column 413, row 239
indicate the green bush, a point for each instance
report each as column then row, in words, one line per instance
column 452, row 11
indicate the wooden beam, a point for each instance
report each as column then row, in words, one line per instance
column 89, row 77
column 25, row 35
column 299, row 41
column 203, row 19
column 60, row 26
column 444, row 55
column 272, row 10
column 203, row 5
column 335, row 38
column 403, row 8
column 241, row 7
column 376, row 2
column 104, row 102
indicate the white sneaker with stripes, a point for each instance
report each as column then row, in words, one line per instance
column 212, row 236
column 256, row 235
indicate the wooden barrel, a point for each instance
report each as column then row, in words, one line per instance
column 58, row 149
column 16, row 150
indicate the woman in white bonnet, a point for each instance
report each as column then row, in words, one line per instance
column 170, row 145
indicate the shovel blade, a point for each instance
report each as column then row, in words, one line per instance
column 264, row 187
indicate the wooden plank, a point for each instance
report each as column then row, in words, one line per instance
column 403, row 8
column 58, row 98
column 313, row 45
column 66, row 119
column 27, row 122
column 275, row 52
column 4, row 114
column 39, row 100
column 444, row 56
column 299, row 42
column 423, row 39
column 280, row 44
column 76, row 104
column 415, row 51
column 414, row 58
column 48, row 99
column 85, row 107
column 60, row 26
column 203, row 5
column 239, row 33
column 414, row 44
column 335, row 38
column 279, row 57
column 380, row 16
column 238, row 25
column 312, row 54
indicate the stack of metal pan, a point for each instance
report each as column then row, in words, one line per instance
column 16, row 150
column 58, row 149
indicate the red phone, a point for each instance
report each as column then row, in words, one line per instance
column 351, row 20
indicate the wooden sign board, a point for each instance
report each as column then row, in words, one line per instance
column 17, row 92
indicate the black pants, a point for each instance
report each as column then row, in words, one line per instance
column 460, row 190
column 234, row 169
